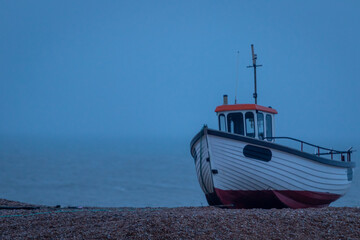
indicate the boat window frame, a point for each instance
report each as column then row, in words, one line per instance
column 225, row 128
column 241, row 125
column 258, row 125
column 253, row 135
column 267, row 118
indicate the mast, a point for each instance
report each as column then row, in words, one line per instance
column 254, row 57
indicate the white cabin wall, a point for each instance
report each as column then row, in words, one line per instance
column 255, row 122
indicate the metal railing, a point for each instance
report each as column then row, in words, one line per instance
column 319, row 149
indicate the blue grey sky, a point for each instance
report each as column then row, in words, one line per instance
column 159, row 68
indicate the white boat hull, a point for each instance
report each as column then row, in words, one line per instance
column 246, row 172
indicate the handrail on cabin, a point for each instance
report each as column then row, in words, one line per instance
column 331, row 151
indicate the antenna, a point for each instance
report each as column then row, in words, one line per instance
column 254, row 57
column 237, row 74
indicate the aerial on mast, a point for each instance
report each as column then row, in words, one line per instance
column 254, row 57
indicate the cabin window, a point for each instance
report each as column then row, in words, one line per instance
column 222, row 126
column 236, row 123
column 269, row 127
column 250, row 124
column 260, row 125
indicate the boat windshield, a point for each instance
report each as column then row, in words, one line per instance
column 236, row 123
column 222, row 122
column 269, row 127
column 250, row 124
column 260, row 125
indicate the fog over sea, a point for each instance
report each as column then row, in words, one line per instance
column 98, row 172
column 107, row 172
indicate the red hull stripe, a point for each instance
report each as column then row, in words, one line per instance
column 275, row 198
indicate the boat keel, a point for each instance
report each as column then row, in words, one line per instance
column 274, row 199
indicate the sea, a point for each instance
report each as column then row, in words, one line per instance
column 107, row 172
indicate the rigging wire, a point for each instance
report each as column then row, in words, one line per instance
column 237, row 74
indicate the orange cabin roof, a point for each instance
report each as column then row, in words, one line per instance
column 237, row 107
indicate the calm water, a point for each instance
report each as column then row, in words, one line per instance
column 106, row 172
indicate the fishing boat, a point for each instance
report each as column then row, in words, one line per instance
column 242, row 165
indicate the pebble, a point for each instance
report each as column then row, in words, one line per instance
column 177, row 223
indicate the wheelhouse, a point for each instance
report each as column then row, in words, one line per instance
column 250, row 120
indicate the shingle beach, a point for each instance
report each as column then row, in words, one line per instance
column 24, row 221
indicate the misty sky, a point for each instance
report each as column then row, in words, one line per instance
column 159, row 68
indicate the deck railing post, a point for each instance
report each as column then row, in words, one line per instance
column 317, row 149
